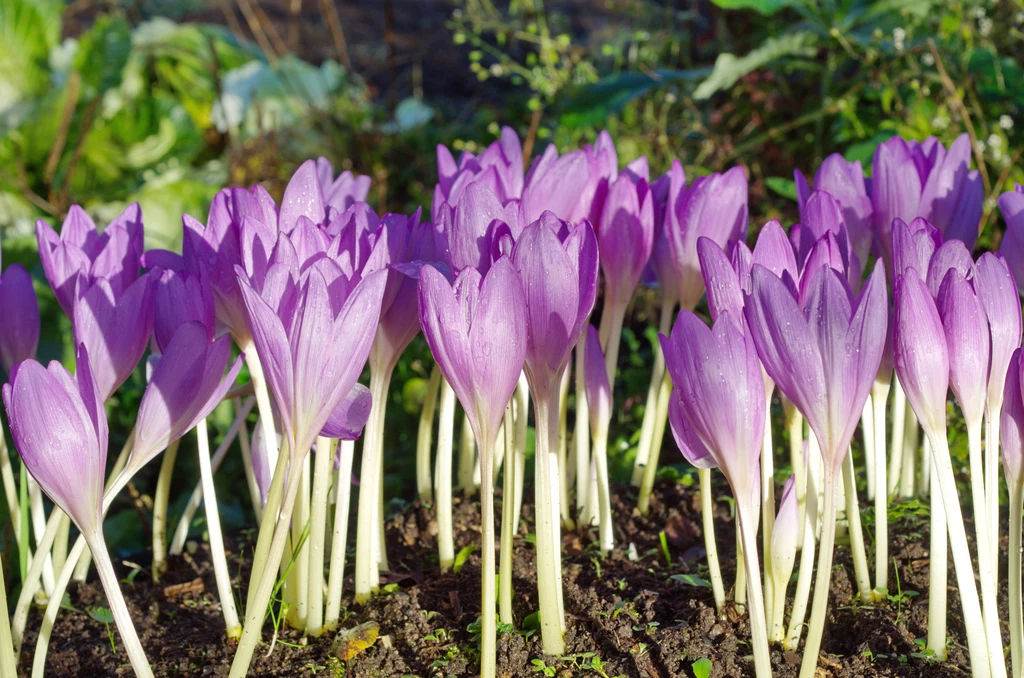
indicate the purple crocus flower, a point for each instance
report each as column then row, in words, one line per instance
column 1000, row 298
column 625, row 234
column 557, row 184
column 1012, row 428
column 966, row 334
column 59, row 428
column 558, row 265
column 920, row 353
column 19, row 317
column 1011, row 204
column 313, row 330
column 180, row 298
column 476, row 227
column 714, row 206
column 344, row 190
column 599, row 394
column 825, row 355
column 913, row 245
column 822, row 216
column 114, row 328
column 187, row 383
column 912, row 179
column 499, row 168
column 844, row 181
column 80, row 252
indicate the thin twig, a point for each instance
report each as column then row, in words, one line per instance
column 996, row 188
column 531, row 137
column 951, row 90
column 330, row 12
column 74, row 85
column 76, row 155
column 232, row 21
column 25, row 188
column 257, row 30
column 271, row 29
column 294, row 12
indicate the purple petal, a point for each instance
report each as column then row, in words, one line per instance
column 595, row 381
column 967, row 339
column 1011, row 425
column 349, row 417
column 920, row 356
column 998, row 295
column 302, row 197
column 19, row 317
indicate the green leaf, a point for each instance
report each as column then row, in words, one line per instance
column 103, row 53
column 784, row 187
column 729, row 68
column 691, row 580
column 462, row 556
column 28, row 30
column 701, row 668
column 594, row 103
column 101, row 614
column 766, row 7
column 864, row 151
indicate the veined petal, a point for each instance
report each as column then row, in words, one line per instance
column 302, row 197
column 349, row 417
column 920, row 355
column 998, row 295
column 19, row 317
column 1011, row 424
column 271, row 343
column 967, row 339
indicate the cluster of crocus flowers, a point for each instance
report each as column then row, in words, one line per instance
column 502, row 280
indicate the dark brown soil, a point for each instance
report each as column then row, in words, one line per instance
column 629, row 614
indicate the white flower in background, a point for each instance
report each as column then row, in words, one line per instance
column 940, row 122
column 1006, row 122
column 899, row 36
column 985, row 27
column 995, row 141
column 927, row 59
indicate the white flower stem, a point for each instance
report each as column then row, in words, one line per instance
column 61, row 540
column 899, row 418
column 336, row 577
column 992, row 415
column 604, row 503
column 549, row 575
column 443, row 481
column 369, row 545
column 969, row 603
column 758, row 628
column 507, row 516
column 581, row 436
column 859, row 552
column 298, row 612
column 322, row 469
column 647, row 426
column 563, row 453
column 256, row 612
column 984, row 533
column 196, row 498
column 1016, row 609
column 650, row 467
column 795, row 432
column 239, row 429
column 911, row 439
column 8, row 663
column 740, row 586
column 522, row 414
column 268, row 525
column 425, row 435
column 160, row 499
column 708, row 516
column 802, row 594
column 10, row 487
column 53, row 607
column 823, row 580
column 217, row 554
column 768, row 511
column 467, row 457
column 488, row 616
column 38, row 519
column 938, row 569
column 879, row 394
column 82, row 569
column 867, row 422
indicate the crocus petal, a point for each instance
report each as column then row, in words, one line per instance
column 271, row 343
column 302, row 197
column 919, row 351
column 1011, row 423
column 895, row 192
column 786, row 531
column 723, row 285
column 595, row 381
column 19, row 317
column 998, row 294
column 773, row 251
column 966, row 329
column 349, row 417
column 1011, row 204
column 689, row 444
column 952, row 255
column 470, row 231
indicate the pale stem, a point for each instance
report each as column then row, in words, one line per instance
column 802, row 594
column 256, row 612
column 300, row 523
column 424, row 437
column 8, row 664
column 822, row 581
column 369, row 545
column 31, row 582
column 549, row 576
column 1016, row 609
column 522, row 405
column 563, row 452
column 604, row 503
column 336, row 578
column 899, row 418
column 987, row 565
column 160, row 499
column 507, row 517
column 217, row 554
column 467, row 457
column 992, row 415
column 196, row 498
column 581, row 436
column 708, row 516
column 318, row 535
column 644, row 447
column 10, row 487
column 981, row 663
column 38, row 519
column 814, row 479
column 488, row 616
column 60, row 542
column 268, row 525
column 925, row 474
column 53, row 607
column 82, row 569
column 795, row 431
column 379, row 542
column 740, row 587
column 758, row 629
column 938, row 570
column 443, row 483
column 860, row 558
column 867, row 423
column 911, row 439
column 242, row 432
column 768, row 510
column 556, row 541
column 879, row 394
column 650, row 467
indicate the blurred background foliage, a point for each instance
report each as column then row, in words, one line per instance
column 164, row 102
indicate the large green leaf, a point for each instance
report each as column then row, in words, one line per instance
column 103, row 53
column 28, row 30
column 766, row 7
column 594, row 103
column 729, row 68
